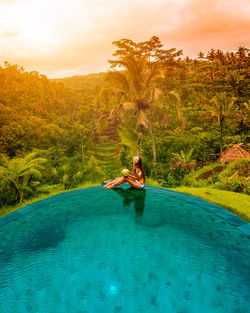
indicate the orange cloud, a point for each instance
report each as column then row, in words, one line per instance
column 211, row 24
column 73, row 38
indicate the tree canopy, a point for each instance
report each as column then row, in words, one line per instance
column 153, row 101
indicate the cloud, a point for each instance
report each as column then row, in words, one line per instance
column 212, row 24
column 8, row 33
column 75, row 37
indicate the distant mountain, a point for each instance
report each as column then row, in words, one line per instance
column 90, row 82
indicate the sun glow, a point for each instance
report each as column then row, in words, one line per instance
column 58, row 37
column 33, row 28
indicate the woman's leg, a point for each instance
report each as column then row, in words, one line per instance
column 122, row 180
column 112, row 182
column 133, row 183
column 116, row 182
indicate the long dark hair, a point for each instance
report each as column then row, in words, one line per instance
column 140, row 165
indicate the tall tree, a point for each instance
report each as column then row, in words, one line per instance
column 136, row 73
column 222, row 107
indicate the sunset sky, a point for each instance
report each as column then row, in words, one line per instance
column 62, row 38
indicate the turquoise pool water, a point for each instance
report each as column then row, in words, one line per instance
column 124, row 250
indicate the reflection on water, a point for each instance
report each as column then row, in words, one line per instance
column 37, row 238
column 131, row 195
column 44, row 238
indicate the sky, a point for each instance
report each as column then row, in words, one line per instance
column 61, row 38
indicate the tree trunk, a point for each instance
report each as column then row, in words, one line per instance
column 21, row 196
column 221, row 129
column 154, row 150
column 82, row 149
column 138, row 144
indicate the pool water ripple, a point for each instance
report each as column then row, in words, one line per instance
column 123, row 250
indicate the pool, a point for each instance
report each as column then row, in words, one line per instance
column 124, row 250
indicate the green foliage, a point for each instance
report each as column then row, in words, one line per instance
column 170, row 182
column 152, row 182
column 88, row 128
column 235, row 177
column 48, row 189
column 185, row 160
column 93, row 172
column 21, row 174
column 241, row 167
column 191, row 178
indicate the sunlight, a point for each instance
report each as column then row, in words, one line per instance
column 31, row 23
column 58, row 37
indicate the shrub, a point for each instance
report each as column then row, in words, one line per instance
column 7, row 195
column 171, row 182
column 92, row 171
column 235, row 177
column 235, row 184
column 240, row 166
column 191, row 178
column 46, row 189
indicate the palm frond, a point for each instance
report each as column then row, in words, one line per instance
column 4, row 159
column 35, row 173
column 30, row 156
column 120, row 79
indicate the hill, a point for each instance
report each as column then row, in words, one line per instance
column 89, row 83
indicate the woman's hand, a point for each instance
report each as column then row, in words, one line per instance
column 129, row 176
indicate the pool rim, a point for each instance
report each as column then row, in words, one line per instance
column 242, row 225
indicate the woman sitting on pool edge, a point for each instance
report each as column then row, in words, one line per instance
column 135, row 178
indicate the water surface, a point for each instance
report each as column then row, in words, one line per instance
column 124, row 250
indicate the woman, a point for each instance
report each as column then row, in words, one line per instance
column 135, row 178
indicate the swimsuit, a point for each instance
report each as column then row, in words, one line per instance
column 141, row 185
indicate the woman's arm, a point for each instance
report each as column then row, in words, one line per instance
column 133, row 175
column 130, row 176
column 138, row 174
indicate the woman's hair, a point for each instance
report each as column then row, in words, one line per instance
column 140, row 165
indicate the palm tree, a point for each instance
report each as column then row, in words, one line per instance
column 242, row 54
column 138, row 87
column 220, row 56
column 140, row 69
column 211, row 55
column 176, row 99
column 222, row 107
column 201, row 55
column 21, row 172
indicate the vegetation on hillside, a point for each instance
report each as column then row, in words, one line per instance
column 179, row 113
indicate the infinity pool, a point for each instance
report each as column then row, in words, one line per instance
column 124, row 250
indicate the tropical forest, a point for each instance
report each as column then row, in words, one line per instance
column 178, row 113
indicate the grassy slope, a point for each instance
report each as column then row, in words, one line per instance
column 237, row 203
